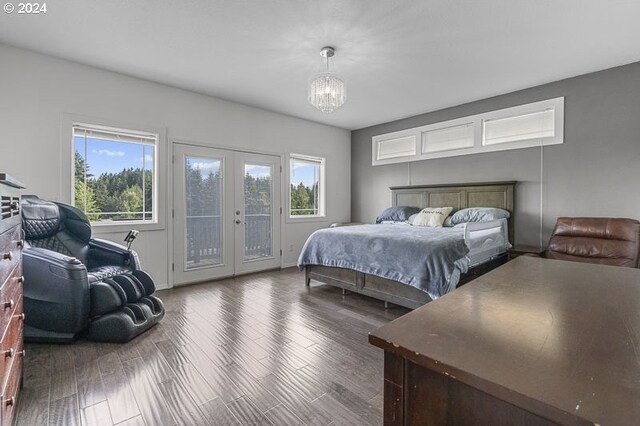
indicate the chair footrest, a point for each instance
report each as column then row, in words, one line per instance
column 127, row 322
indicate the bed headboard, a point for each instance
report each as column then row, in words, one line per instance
column 459, row 196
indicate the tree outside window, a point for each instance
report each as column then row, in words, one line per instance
column 114, row 174
column 306, row 192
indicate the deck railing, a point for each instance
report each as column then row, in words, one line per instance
column 204, row 238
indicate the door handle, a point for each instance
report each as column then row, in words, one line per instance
column 238, row 221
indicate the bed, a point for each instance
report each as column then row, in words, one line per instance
column 405, row 286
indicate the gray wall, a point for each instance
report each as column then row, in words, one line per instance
column 36, row 91
column 594, row 173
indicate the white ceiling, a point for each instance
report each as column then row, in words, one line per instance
column 400, row 58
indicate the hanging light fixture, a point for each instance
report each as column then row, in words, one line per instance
column 327, row 91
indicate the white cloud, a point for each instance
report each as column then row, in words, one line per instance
column 108, row 152
column 299, row 165
column 148, row 158
column 259, row 171
column 205, row 165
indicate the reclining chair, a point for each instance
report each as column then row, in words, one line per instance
column 76, row 285
column 606, row 241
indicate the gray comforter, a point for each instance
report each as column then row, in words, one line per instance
column 422, row 257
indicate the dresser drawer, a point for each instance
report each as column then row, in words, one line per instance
column 11, row 344
column 10, row 298
column 11, row 387
column 11, row 292
column 10, row 251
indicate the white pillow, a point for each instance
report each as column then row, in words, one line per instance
column 432, row 216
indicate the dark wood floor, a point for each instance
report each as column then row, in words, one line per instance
column 255, row 350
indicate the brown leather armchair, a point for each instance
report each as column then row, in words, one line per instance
column 606, row 241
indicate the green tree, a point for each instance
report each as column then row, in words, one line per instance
column 83, row 194
column 301, row 200
column 148, row 194
column 257, row 193
column 130, row 201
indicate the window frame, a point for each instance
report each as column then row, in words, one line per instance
column 322, row 208
column 160, row 166
column 477, row 122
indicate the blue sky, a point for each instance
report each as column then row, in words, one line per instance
column 205, row 165
column 303, row 173
column 113, row 157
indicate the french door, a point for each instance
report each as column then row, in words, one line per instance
column 226, row 213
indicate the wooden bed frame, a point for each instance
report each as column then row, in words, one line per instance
column 458, row 196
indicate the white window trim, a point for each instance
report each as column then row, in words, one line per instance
column 323, row 199
column 160, row 165
column 477, row 121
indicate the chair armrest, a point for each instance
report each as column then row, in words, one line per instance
column 58, row 289
column 108, row 246
column 43, row 269
column 35, row 254
column 103, row 252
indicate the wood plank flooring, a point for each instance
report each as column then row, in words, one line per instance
column 255, row 350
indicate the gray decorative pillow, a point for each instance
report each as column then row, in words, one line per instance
column 397, row 214
column 479, row 214
column 432, row 216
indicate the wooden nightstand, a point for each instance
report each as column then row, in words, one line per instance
column 519, row 250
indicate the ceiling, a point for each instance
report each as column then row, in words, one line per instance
column 400, row 58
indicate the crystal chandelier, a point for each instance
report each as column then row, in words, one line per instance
column 327, row 91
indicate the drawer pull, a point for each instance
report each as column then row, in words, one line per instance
column 9, row 402
column 23, row 353
column 20, row 279
column 20, row 244
column 22, row 316
column 7, row 256
column 9, row 353
column 9, row 304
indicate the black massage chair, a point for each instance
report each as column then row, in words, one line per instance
column 76, row 285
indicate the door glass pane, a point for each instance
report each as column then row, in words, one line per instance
column 203, row 193
column 258, row 183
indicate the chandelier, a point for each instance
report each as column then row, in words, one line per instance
column 327, row 91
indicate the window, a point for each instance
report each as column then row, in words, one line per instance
column 448, row 138
column 533, row 125
column 396, row 147
column 523, row 126
column 114, row 174
column 306, row 192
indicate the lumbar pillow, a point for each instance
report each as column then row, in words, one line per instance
column 397, row 214
column 432, row 216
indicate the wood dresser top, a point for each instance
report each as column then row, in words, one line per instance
column 559, row 339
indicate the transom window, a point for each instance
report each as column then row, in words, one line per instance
column 114, row 174
column 523, row 126
column 306, row 189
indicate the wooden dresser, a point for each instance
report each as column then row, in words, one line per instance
column 534, row 342
column 11, row 312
